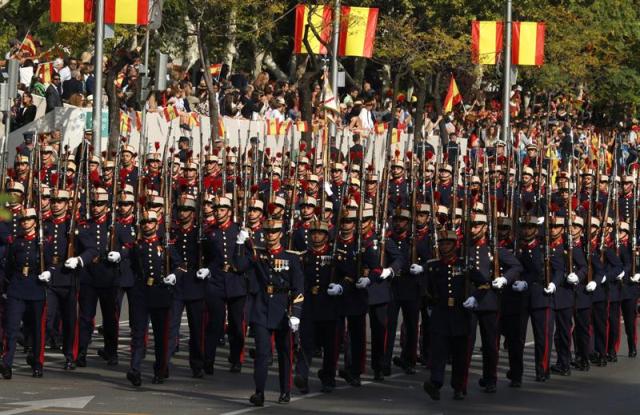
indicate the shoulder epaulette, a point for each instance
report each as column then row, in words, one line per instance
column 298, row 253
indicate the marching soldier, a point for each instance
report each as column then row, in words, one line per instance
column 276, row 308
column 226, row 287
column 155, row 264
column 27, row 277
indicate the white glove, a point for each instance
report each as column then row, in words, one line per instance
column 45, row 276
column 416, row 269
column 203, row 273
column 604, row 279
column 113, row 257
column 334, row 289
column 499, row 282
column 327, row 189
column 635, row 278
column 73, row 262
column 551, row 288
column 620, row 276
column 591, row 286
column 470, row 303
column 294, row 323
column 386, row 273
column 170, row 279
column 572, row 278
column 363, row 282
column 243, row 235
column 519, row 286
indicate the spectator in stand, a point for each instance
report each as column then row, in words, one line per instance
column 72, row 86
column 351, row 97
column 53, row 94
column 25, row 113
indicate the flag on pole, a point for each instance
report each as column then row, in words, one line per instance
column 527, row 39
column 215, row 69
column 125, row 123
column 486, row 42
column 283, row 127
column 318, row 17
column 357, row 31
column 134, row 12
column 194, row 119
column 379, row 127
column 453, row 96
column 45, row 72
column 170, row 113
column 28, row 46
column 220, row 127
column 273, row 126
column 139, row 121
column 302, row 126
column 329, row 101
column 71, row 11
column 119, row 81
column 395, row 135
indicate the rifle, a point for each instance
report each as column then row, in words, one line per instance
column 201, row 194
column 612, row 187
column 32, row 166
column 76, row 205
column 634, row 224
column 168, row 208
column 454, row 192
column 414, row 193
column 37, row 150
column 114, row 201
column 547, row 227
column 467, row 232
column 569, row 222
column 292, row 205
column 494, row 225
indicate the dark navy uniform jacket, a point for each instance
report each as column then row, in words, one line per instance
column 481, row 259
column 280, row 294
column 58, row 229
column 23, row 267
column 186, row 244
column 404, row 286
column 531, row 256
column 317, row 268
column 580, row 268
column 565, row 294
column 354, row 301
column 222, row 256
column 148, row 262
column 301, row 235
column 601, row 292
column 447, row 285
column 379, row 291
column 399, row 196
column 629, row 288
column 613, row 267
column 125, row 240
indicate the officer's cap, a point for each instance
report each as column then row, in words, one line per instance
column 15, row 186
column 222, row 201
column 504, row 222
column 303, row 160
column 149, row 216
column 443, row 210
column 578, row 221
column 349, row 215
column 256, row 204
column 100, row 195
column 475, row 180
column 48, row 149
column 354, row 181
column 128, row 149
column 624, row 226
column 22, row 159
column 337, row 166
column 319, row 226
column 279, row 201
column 402, row 213
column 446, row 167
column 328, row 205
column 60, row 194
column 313, row 178
column 155, row 201
column 478, row 207
column 595, row 222
column 479, row 218
column 604, row 178
column 94, row 159
column 71, row 166
column 127, row 188
column 397, row 162
column 557, row 221
column 272, row 225
column 529, row 220
column 126, row 198
column 28, row 213
column 211, row 158
column 154, row 157
column 45, row 190
column 628, row 179
column 187, row 203
column 308, row 201
column 587, row 172
column 423, row 208
column 527, row 171
column 108, row 164
column 277, row 170
column 447, row 236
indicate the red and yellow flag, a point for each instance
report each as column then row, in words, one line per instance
column 71, row 11
column 379, row 127
column 139, row 121
column 318, row 17
column 220, row 127
column 170, row 113
column 126, row 12
column 194, row 119
column 357, row 31
column 125, row 123
column 527, row 39
column 215, row 69
column 453, row 96
column 45, row 72
column 302, row 126
column 28, row 46
column 486, row 42
column 273, row 127
column 395, row 135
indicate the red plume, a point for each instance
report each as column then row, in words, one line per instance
column 254, row 188
column 574, row 202
column 275, row 185
column 207, row 182
column 94, row 177
column 239, row 181
column 123, row 139
column 410, row 155
column 234, row 149
column 500, row 205
column 466, row 160
column 250, row 154
column 436, row 197
column 157, row 145
column 54, row 179
column 554, row 207
column 271, row 208
column 445, row 157
column 10, row 173
column 303, row 146
column 104, row 154
column 501, row 159
column 207, row 148
column 526, row 162
column 278, row 155
column 397, row 153
column 216, row 151
column 123, row 174
column 171, row 150
column 429, row 155
column 267, row 151
column 142, row 200
column 585, row 205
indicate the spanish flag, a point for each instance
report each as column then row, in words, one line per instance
column 170, row 113
column 273, row 127
column 453, row 96
column 71, row 11
column 125, row 123
column 119, row 81
column 220, row 127
column 215, row 69
column 395, row 135
column 134, row 12
column 28, row 46
column 379, row 127
column 139, row 121
column 45, row 72
column 194, row 119
column 357, row 31
column 527, row 39
column 302, row 126
column 486, row 42
column 318, row 17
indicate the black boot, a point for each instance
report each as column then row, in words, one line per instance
column 257, row 399
column 134, row 377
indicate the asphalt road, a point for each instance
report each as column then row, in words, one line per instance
column 99, row 389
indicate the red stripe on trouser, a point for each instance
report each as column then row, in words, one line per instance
column 43, row 331
column 386, row 335
column 244, row 333
column 545, row 354
column 165, row 342
column 617, row 344
column 76, row 330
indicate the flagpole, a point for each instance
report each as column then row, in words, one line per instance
column 506, row 87
column 97, row 93
column 334, row 59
